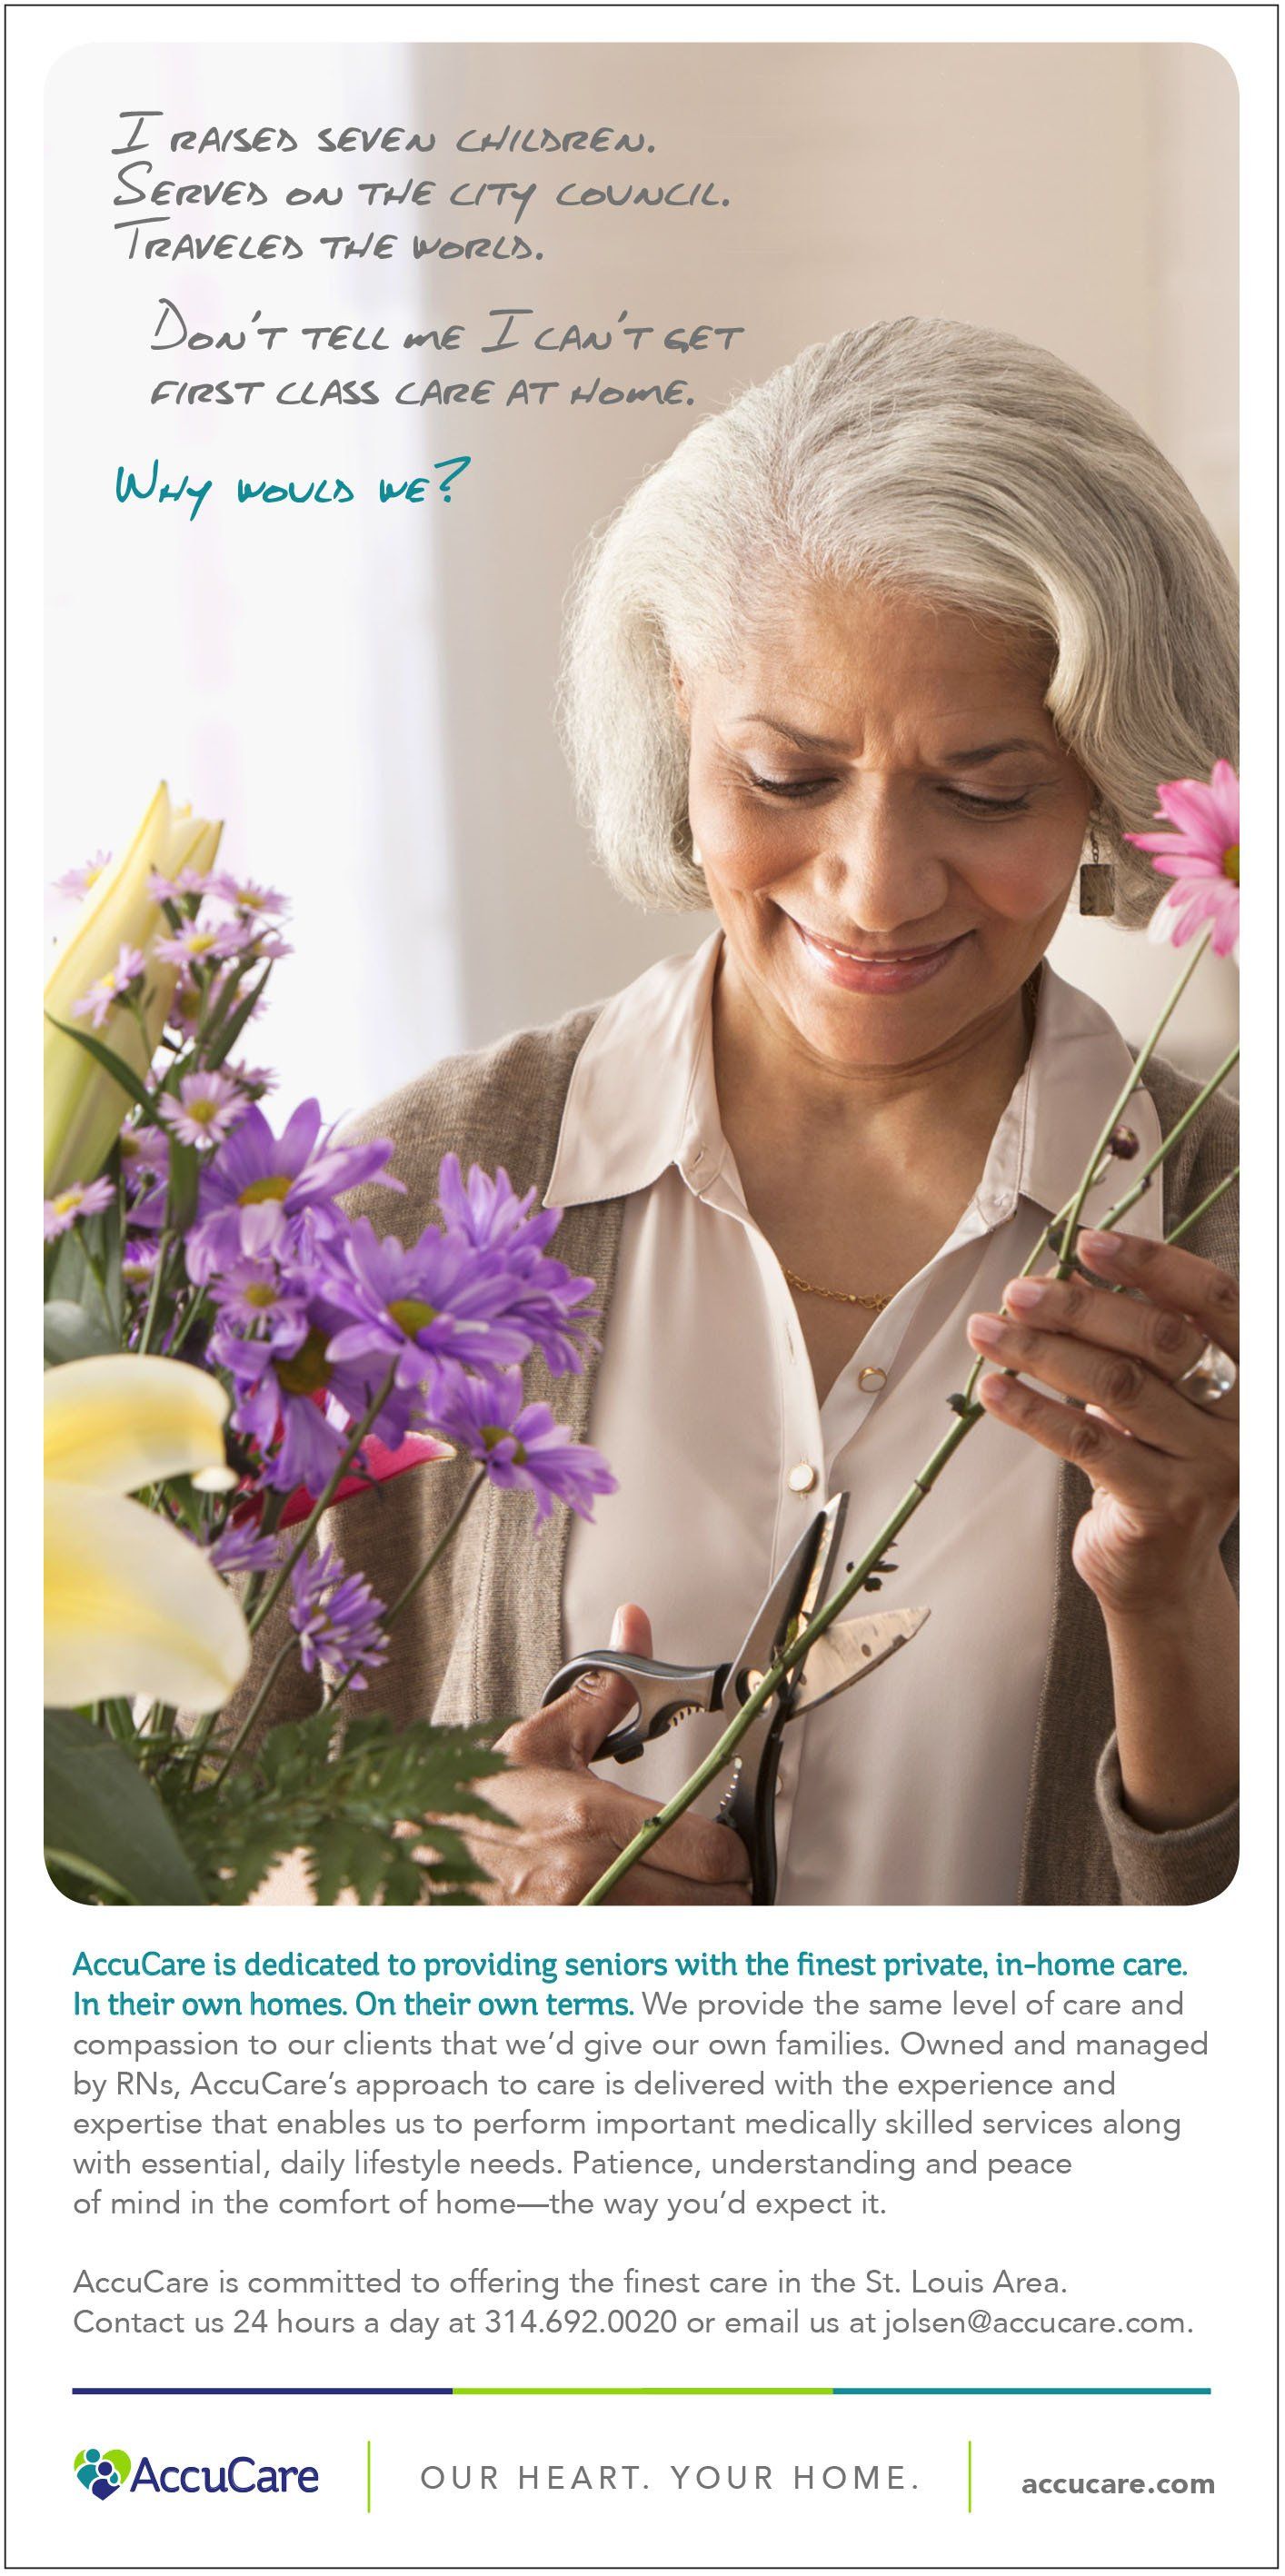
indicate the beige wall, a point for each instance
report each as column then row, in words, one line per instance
column 1082, row 196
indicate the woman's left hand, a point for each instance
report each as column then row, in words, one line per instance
column 1164, row 1469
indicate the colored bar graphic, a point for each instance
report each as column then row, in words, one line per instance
column 546, row 2389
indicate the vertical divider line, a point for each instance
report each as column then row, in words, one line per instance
column 970, row 2477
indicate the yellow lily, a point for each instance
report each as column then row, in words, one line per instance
column 83, row 1106
column 131, row 1605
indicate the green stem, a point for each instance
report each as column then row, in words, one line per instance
column 1115, row 1114
column 1166, row 1145
column 408, row 1592
column 323, row 1501
column 286, row 1647
column 154, row 1298
column 1204, row 1207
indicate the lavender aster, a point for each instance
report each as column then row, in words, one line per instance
column 79, row 1199
column 106, row 990
column 336, row 1618
column 421, row 1303
column 520, row 1444
column 291, row 1180
column 206, row 1109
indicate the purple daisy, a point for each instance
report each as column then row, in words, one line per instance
column 239, row 1549
column 144, row 1155
column 204, row 942
column 106, row 990
column 292, row 1181
column 441, row 1298
column 547, row 1301
column 77, row 881
column 138, row 1261
column 206, row 1109
column 292, row 1398
column 520, row 1444
column 336, row 1618
column 241, row 894
column 79, row 1199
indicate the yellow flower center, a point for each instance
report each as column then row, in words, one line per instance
column 308, row 1372
column 261, row 1293
column 492, row 1435
column 274, row 1185
column 202, row 1111
column 199, row 941
column 66, row 1200
column 412, row 1315
column 1231, row 862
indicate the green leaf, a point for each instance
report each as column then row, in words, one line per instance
column 221, row 1045
column 341, row 1803
column 111, row 1063
column 73, row 1334
column 185, row 1172
column 103, row 1818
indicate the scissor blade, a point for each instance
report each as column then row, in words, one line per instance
column 851, row 1649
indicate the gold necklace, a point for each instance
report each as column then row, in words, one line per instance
column 840, row 1296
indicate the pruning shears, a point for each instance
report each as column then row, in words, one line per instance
column 841, row 1656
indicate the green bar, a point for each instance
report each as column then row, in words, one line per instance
column 970, row 2477
column 368, row 2475
column 643, row 2392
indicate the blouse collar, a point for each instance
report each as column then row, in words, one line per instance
column 643, row 1097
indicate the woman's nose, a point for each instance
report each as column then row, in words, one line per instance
column 878, row 869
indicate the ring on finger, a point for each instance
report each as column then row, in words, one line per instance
column 1210, row 1377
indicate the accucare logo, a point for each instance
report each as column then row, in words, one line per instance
column 107, row 2473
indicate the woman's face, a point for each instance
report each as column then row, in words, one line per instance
column 888, row 824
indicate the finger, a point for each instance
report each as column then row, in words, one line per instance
column 1112, row 1382
column 588, row 1809
column 1126, row 1468
column 658, row 1887
column 571, row 1730
column 1170, row 1277
column 1163, row 1340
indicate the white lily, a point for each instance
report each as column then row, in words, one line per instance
column 131, row 1605
column 83, row 1106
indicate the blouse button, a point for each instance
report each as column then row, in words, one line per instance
column 802, row 1478
column 871, row 1379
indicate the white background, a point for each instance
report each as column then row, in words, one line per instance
column 1207, row 2222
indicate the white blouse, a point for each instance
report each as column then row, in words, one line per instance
column 909, row 1788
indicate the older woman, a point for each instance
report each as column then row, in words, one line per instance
column 871, row 665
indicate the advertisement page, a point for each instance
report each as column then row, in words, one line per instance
column 625, row 664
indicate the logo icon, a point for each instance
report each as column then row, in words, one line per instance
column 103, row 2473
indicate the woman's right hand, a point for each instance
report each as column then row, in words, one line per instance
column 568, row 1825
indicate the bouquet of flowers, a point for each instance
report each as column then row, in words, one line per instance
column 228, row 1351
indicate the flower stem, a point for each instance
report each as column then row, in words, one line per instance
column 323, row 1501
column 153, row 1302
column 252, row 1712
column 336, row 1692
column 1116, row 1113
column 1206, row 1203
column 1166, row 1145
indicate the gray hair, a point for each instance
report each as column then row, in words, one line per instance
column 952, row 461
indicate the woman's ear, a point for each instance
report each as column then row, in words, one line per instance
column 679, row 686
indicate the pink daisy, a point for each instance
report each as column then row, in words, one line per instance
column 77, row 881
column 80, row 1198
column 206, row 1109
column 106, row 990
column 1202, row 853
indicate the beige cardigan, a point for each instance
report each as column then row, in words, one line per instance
column 483, row 1635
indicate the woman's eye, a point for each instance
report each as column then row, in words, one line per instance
column 989, row 804
column 787, row 786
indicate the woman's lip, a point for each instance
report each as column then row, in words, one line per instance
column 896, row 972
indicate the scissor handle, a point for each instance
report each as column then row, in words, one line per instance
column 666, row 1692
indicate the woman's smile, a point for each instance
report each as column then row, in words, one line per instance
column 878, row 970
